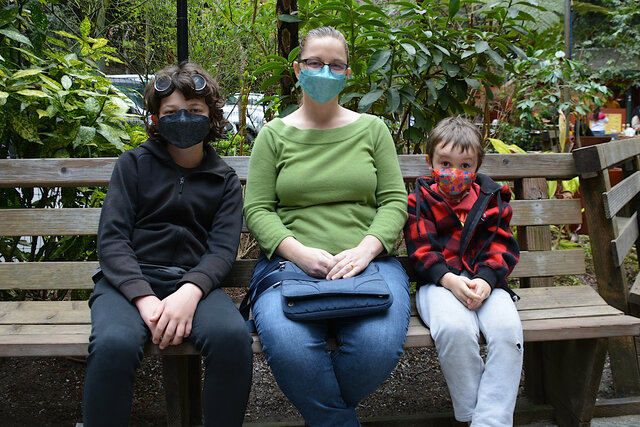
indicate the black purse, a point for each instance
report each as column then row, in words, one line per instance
column 310, row 298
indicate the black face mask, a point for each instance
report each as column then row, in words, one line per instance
column 184, row 129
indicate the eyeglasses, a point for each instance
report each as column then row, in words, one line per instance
column 316, row 65
column 164, row 85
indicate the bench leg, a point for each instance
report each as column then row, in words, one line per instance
column 533, row 380
column 624, row 366
column 572, row 373
column 182, row 377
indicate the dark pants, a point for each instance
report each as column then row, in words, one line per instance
column 118, row 335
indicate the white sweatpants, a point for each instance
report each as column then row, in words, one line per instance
column 483, row 393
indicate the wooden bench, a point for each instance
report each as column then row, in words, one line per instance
column 565, row 328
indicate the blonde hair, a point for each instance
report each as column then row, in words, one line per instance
column 323, row 32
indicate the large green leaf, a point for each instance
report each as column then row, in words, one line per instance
column 25, row 128
column 15, row 35
column 454, row 7
column 85, row 135
column 393, row 98
column 33, row 92
column 368, row 99
column 481, row 46
column 378, row 60
column 111, row 134
column 289, row 18
column 26, row 72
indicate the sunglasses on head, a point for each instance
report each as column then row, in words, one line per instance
column 164, row 85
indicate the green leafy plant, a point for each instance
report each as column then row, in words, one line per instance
column 54, row 103
column 414, row 63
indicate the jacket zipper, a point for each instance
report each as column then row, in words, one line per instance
column 181, row 185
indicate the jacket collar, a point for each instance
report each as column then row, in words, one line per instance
column 211, row 162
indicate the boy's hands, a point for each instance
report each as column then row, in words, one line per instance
column 148, row 305
column 471, row 293
column 482, row 290
column 170, row 320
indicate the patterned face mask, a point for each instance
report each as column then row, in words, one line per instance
column 453, row 182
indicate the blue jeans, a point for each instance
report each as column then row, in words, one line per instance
column 326, row 387
column 116, row 345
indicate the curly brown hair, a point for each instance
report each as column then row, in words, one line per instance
column 181, row 78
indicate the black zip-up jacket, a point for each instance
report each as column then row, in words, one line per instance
column 160, row 214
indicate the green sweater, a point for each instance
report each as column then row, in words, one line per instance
column 327, row 188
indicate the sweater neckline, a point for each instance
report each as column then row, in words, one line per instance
column 320, row 136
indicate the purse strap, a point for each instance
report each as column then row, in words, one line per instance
column 270, row 279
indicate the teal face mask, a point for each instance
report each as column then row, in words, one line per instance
column 322, row 86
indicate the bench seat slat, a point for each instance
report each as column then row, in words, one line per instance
column 67, row 342
column 569, row 312
column 62, row 327
column 580, row 328
column 558, row 297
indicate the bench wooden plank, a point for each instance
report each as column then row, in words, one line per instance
column 595, row 158
column 621, row 194
column 45, row 316
column 97, row 171
column 558, row 297
column 49, row 222
column 546, row 212
column 84, row 221
column 67, row 342
column 627, row 237
column 77, row 275
column 580, row 328
column 569, row 312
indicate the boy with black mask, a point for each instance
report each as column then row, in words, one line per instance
column 168, row 235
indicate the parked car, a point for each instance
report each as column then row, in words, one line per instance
column 132, row 87
column 255, row 113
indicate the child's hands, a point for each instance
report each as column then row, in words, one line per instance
column 482, row 290
column 175, row 319
column 149, row 307
column 461, row 287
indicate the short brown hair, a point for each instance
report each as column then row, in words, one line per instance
column 459, row 132
column 181, row 78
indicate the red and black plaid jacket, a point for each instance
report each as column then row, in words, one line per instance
column 485, row 247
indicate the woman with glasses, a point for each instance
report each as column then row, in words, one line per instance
column 168, row 235
column 325, row 192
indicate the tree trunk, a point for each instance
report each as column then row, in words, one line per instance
column 287, row 38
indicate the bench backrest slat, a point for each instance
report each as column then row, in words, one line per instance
column 616, row 198
column 627, row 237
column 76, row 275
column 97, row 172
column 598, row 157
column 84, row 221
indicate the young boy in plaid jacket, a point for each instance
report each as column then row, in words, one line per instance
column 462, row 250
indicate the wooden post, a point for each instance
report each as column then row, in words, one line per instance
column 612, row 284
column 287, row 38
column 573, row 370
column 182, row 386
column 533, row 238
